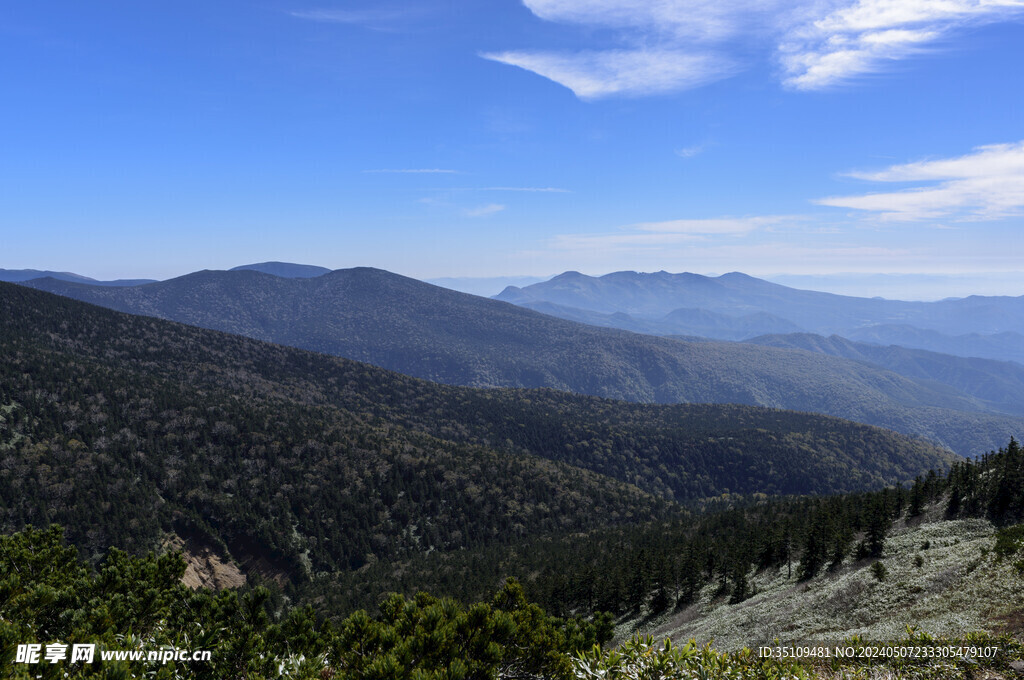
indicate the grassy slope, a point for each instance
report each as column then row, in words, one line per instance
column 956, row 590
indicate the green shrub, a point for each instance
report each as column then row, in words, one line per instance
column 1008, row 541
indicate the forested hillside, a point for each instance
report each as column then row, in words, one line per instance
column 49, row 594
column 642, row 572
column 311, row 463
column 441, row 335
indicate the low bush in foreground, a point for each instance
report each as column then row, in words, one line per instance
column 50, row 599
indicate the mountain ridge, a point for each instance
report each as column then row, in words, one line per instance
column 402, row 324
column 21, row 275
column 652, row 298
column 285, row 270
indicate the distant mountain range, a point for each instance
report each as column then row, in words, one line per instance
column 286, row 270
column 736, row 307
column 449, row 337
column 21, row 275
column 1007, row 346
column 1000, row 384
column 485, row 286
column 679, row 322
column 932, row 286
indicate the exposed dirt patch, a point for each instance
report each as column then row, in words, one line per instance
column 264, row 569
column 206, row 568
column 1012, row 623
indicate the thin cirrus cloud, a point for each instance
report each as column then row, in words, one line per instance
column 414, row 171
column 596, row 74
column 986, row 184
column 343, row 16
column 660, row 234
column 816, row 43
column 540, row 190
column 690, row 151
column 378, row 18
column 484, row 210
column 764, row 257
column 531, row 190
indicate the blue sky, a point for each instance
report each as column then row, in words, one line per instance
column 463, row 138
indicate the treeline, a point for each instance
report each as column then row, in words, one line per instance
column 666, row 564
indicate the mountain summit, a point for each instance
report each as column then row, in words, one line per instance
column 736, row 306
column 285, row 270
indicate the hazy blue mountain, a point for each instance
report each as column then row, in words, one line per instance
column 285, row 270
column 680, row 322
column 20, row 275
column 660, row 296
column 486, row 286
column 450, row 337
column 1006, row 346
column 725, row 326
column 1000, row 384
column 906, row 286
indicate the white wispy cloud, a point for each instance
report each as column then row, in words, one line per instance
column 542, row 190
column 987, row 183
column 416, row 171
column 484, row 210
column 863, row 36
column 534, row 190
column 690, row 151
column 595, row 74
column 342, row 16
column 752, row 258
column 687, row 19
column 660, row 234
column 376, row 18
column 719, row 225
column 673, row 45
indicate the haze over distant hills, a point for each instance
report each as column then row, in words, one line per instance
column 998, row 383
column 285, row 270
column 932, row 286
column 21, row 275
column 486, row 286
column 430, row 332
column 736, row 306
